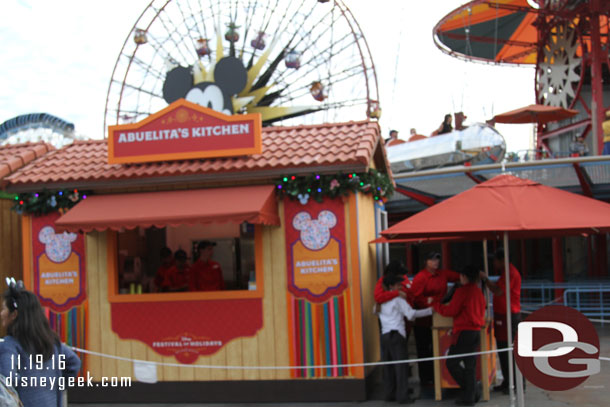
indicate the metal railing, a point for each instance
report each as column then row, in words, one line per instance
column 591, row 298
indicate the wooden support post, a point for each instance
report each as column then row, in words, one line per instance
column 436, row 343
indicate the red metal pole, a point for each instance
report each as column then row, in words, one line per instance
column 602, row 255
column 592, row 272
column 597, row 96
column 557, row 264
column 409, row 259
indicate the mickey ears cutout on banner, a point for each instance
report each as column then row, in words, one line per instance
column 230, row 78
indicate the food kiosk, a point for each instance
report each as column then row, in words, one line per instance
column 291, row 211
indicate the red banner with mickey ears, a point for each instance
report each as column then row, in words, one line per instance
column 59, row 265
column 315, row 247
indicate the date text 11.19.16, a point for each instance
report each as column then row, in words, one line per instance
column 36, row 362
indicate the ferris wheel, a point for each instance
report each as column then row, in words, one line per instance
column 293, row 62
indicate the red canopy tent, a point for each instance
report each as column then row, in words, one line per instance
column 540, row 114
column 509, row 206
column 506, row 203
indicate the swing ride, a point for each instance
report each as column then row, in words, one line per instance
column 474, row 145
column 566, row 40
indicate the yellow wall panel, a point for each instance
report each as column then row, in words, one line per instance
column 368, row 277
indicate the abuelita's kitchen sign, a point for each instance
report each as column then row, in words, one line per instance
column 184, row 130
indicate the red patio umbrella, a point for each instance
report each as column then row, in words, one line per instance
column 510, row 206
column 506, row 203
column 540, row 114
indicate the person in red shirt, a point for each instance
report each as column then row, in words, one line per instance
column 180, row 273
column 429, row 286
column 205, row 273
column 162, row 277
column 467, row 307
column 382, row 294
column 499, row 303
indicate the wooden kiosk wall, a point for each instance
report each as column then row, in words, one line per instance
column 10, row 241
column 271, row 345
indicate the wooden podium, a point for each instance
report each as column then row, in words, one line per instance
column 441, row 340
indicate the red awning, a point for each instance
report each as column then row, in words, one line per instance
column 253, row 204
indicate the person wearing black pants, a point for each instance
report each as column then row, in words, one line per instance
column 467, row 342
column 428, row 286
column 502, row 343
column 499, row 304
column 423, row 344
column 395, row 377
column 467, row 307
column 392, row 316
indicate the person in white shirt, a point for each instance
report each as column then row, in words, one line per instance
column 392, row 316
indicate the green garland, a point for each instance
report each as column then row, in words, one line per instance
column 317, row 187
column 41, row 203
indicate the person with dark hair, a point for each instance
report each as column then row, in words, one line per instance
column 394, row 340
column 445, row 126
column 205, row 273
column 383, row 293
column 393, row 140
column 162, row 277
column 467, row 307
column 31, row 355
column 499, row 305
column 180, row 272
column 429, row 286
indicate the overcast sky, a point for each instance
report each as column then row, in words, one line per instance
column 58, row 58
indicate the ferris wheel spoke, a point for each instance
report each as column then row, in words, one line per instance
column 200, row 30
column 185, row 19
column 291, row 116
column 139, row 89
column 308, row 63
column 148, row 68
column 266, row 20
column 170, row 32
column 338, row 78
column 266, row 76
column 133, row 112
column 161, row 49
column 269, row 98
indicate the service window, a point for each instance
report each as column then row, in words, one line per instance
column 186, row 259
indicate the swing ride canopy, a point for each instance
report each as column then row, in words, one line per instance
column 504, row 31
column 505, row 203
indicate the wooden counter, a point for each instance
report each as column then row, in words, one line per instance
column 440, row 327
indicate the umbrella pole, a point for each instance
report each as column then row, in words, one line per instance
column 509, row 333
column 486, row 269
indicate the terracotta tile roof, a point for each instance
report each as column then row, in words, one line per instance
column 345, row 146
column 15, row 156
